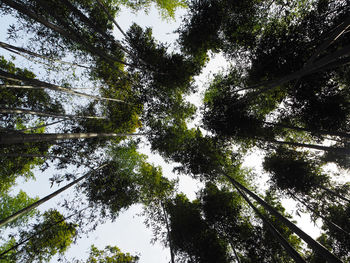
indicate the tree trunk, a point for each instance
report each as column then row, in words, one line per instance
column 39, row 126
column 90, row 23
column 234, row 252
column 112, row 18
column 37, row 84
column 290, row 250
column 310, row 146
column 334, row 193
column 333, row 36
column 13, row 49
column 328, row 222
column 49, row 114
column 48, row 137
column 313, row 68
column 317, row 247
column 168, row 234
column 43, row 230
column 43, row 200
column 320, row 132
column 71, row 35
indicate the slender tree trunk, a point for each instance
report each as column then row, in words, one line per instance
column 334, row 193
column 37, row 84
column 46, row 198
column 12, row 49
column 339, row 150
column 172, row 257
column 90, row 23
column 48, row 114
column 104, row 8
column 313, row 68
column 333, row 36
column 48, row 137
column 111, row 18
column 317, row 247
column 320, row 132
column 290, row 250
column 234, row 252
column 80, row 39
column 40, row 126
column 328, row 222
column 71, row 34
column 37, row 233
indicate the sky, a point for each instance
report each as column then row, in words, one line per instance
column 128, row 231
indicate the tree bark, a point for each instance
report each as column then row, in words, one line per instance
column 234, row 252
column 320, row 132
column 310, row 146
column 48, row 114
column 328, row 222
column 317, row 247
column 334, row 193
column 38, row 84
column 313, row 68
column 43, row 200
column 43, row 230
column 12, row 48
column 48, row 137
column 172, row 257
column 333, row 36
column 72, row 35
column 39, row 126
column 290, row 250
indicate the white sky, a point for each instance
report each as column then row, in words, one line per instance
column 128, row 231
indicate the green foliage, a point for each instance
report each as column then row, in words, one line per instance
column 11, row 204
column 54, row 239
column 166, row 8
column 191, row 237
column 114, row 187
column 34, row 99
column 153, row 185
column 109, row 255
column 338, row 241
column 292, row 170
column 53, row 235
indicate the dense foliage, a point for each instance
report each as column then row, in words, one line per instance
column 285, row 95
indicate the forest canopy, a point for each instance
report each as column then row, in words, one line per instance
column 80, row 101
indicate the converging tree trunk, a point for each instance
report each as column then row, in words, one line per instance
column 320, row 132
column 325, row 220
column 334, row 193
column 335, row 59
column 66, row 32
column 19, row 51
column 47, row 137
column 317, row 247
column 172, row 257
column 37, row 233
column 49, row 114
column 290, row 250
column 46, row 198
column 37, row 84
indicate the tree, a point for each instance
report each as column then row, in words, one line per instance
column 166, row 8
column 297, row 172
column 43, row 245
column 191, row 237
column 32, row 206
column 11, row 204
column 109, row 255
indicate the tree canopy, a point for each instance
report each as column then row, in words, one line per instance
column 85, row 104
